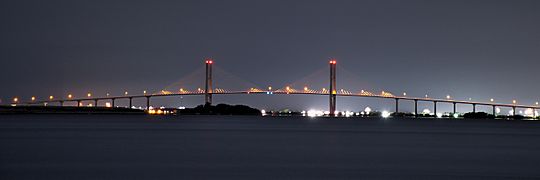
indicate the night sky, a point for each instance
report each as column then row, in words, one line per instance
column 467, row 49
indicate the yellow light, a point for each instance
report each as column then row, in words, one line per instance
column 126, row 93
column 15, row 99
column 89, row 95
column 108, row 104
column 288, row 88
column 305, row 88
column 33, row 98
column 269, row 88
column 514, row 101
column 51, row 97
column 144, row 91
column 70, row 96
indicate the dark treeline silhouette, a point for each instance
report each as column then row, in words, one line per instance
column 220, row 109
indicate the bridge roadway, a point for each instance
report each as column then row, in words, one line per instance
column 202, row 93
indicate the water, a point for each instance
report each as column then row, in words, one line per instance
column 245, row 147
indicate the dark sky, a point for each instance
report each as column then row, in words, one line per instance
column 478, row 49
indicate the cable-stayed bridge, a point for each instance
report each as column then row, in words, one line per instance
column 332, row 92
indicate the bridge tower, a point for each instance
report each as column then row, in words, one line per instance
column 208, row 85
column 332, row 90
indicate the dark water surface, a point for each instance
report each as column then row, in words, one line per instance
column 245, row 147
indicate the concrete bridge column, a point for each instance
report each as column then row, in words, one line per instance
column 147, row 103
column 397, row 105
column 416, row 107
column 435, row 108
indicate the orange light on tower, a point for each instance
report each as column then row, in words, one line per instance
column 51, row 97
column 89, row 95
column 33, row 98
column 15, row 99
column 70, row 96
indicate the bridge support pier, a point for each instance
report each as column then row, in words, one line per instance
column 78, row 103
column 435, row 108
column 416, row 108
column 513, row 110
column 147, row 103
column 474, row 108
column 95, row 103
column 112, row 102
column 397, row 105
column 494, row 111
column 332, row 90
column 454, row 107
column 130, row 102
column 61, row 103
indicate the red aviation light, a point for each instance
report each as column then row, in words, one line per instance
column 333, row 61
column 209, row 62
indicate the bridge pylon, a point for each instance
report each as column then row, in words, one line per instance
column 208, row 85
column 332, row 90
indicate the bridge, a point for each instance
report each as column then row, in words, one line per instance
column 331, row 92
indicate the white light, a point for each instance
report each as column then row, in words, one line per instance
column 367, row 110
column 497, row 110
column 108, row 104
column 385, row 114
column 456, row 115
column 426, row 111
column 511, row 112
column 263, row 112
column 439, row 115
column 181, row 107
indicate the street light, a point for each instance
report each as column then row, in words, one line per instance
column 33, row 98
column 51, row 97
